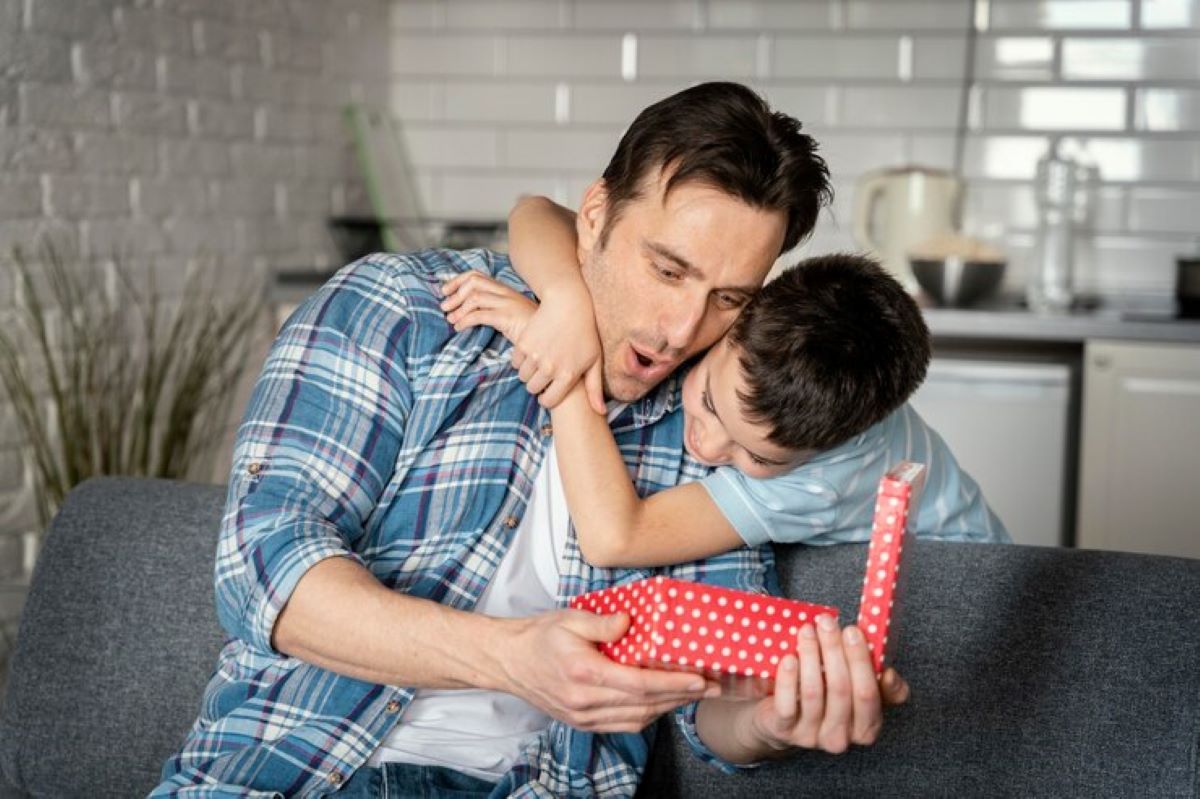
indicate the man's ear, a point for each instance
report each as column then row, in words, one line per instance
column 593, row 213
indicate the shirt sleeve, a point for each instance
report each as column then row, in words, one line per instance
column 321, row 433
column 790, row 508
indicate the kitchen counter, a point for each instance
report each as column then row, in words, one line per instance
column 1020, row 325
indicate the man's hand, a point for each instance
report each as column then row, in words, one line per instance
column 553, row 663
column 826, row 697
column 555, row 344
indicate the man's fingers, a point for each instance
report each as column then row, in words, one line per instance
column 835, row 728
column 812, row 685
column 893, row 688
column 630, row 718
column 787, row 680
column 867, row 712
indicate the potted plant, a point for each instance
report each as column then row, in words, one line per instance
column 109, row 376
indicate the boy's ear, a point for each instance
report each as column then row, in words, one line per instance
column 593, row 213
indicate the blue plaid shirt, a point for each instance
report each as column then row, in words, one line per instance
column 378, row 433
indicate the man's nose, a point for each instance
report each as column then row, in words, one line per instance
column 682, row 321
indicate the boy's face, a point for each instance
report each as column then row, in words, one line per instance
column 716, row 430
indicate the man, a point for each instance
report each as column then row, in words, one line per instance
column 395, row 552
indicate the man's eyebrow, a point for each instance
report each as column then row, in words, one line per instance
column 686, row 265
column 713, row 406
column 671, row 255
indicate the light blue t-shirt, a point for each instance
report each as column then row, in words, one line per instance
column 830, row 499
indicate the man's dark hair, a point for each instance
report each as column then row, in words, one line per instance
column 827, row 349
column 726, row 136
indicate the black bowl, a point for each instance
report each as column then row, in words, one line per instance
column 957, row 283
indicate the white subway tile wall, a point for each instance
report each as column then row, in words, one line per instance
column 172, row 130
column 878, row 82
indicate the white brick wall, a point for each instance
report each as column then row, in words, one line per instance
column 181, row 128
column 531, row 95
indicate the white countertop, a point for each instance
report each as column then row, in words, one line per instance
column 1077, row 327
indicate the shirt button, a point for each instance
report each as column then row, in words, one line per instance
column 547, row 430
column 254, row 468
column 335, row 778
column 393, row 706
column 511, row 522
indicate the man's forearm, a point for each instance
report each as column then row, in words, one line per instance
column 341, row 618
column 723, row 725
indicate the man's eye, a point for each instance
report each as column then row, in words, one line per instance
column 730, row 301
column 667, row 272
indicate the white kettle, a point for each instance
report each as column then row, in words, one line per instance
column 898, row 209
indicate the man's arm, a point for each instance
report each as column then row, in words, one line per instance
column 315, row 451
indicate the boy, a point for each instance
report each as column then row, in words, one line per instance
column 802, row 404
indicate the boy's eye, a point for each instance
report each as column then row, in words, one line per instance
column 757, row 461
column 707, row 403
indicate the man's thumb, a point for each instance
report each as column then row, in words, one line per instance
column 599, row 628
column 594, row 384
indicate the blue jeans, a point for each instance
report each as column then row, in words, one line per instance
column 406, row 780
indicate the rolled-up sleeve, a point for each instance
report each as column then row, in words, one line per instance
column 317, row 445
column 746, row 569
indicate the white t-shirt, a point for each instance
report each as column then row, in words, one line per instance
column 481, row 732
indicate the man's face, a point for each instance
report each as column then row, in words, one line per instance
column 671, row 278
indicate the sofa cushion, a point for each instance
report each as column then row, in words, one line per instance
column 1034, row 672
column 117, row 640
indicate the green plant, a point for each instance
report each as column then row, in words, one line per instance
column 108, row 377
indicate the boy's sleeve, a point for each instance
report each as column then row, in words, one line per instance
column 790, row 508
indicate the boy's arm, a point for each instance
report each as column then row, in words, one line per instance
column 561, row 338
column 616, row 527
column 543, row 247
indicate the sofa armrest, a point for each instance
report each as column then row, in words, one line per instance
column 1034, row 671
column 117, row 639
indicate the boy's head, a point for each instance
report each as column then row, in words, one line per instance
column 824, row 351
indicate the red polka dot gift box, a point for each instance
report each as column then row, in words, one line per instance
column 899, row 492
column 734, row 637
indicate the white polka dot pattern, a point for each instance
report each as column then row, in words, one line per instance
column 662, row 633
column 899, row 492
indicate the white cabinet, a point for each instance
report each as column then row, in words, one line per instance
column 1139, row 486
column 1007, row 423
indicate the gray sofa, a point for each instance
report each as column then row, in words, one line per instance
column 1034, row 672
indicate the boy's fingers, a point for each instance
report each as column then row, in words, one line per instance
column 554, row 393
column 537, row 384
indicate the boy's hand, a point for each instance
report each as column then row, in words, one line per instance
column 554, row 344
column 474, row 299
column 562, row 343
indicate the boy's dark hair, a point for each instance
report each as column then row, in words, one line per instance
column 829, row 348
column 726, row 136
